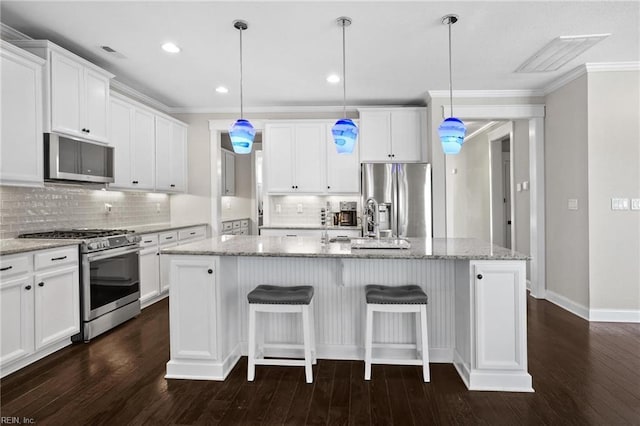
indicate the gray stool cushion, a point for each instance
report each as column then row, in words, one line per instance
column 402, row 295
column 279, row 295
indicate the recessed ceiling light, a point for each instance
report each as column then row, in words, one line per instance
column 559, row 51
column 333, row 79
column 170, row 47
column 222, row 89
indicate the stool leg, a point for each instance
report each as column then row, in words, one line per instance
column 425, row 344
column 313, row 334
column 307, row 344
column 418, row 318
column 251, row 368
column 368, row 342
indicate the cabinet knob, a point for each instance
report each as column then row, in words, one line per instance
column 88, row 130
column 479, row 276
column 172, row 185
column 393, row 156
column 328, row 187
column 84, row 130
column 210, row 271
column 28, row 287
column 135, row 182
column 293, row 187
column 40, row 284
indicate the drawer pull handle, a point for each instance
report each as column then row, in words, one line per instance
column 58, row 258
column 28, row 287
column 6, row 268
column 172, row 185
column 168, row 238
column 291, row 235
column 40, row 284
column 479, row 276
column 148, row 241
column 192, row 233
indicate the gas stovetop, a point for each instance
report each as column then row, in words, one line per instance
column 93, row 239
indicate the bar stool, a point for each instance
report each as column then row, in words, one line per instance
column 272, row 298
column 404, row 299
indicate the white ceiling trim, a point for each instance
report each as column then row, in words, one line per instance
column 139, row 96
column 265, row 109
column 496, row 112
column 523, row 93
column 9, row 33
column 565, row 79
column 590, row 67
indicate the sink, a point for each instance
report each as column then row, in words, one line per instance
column 382, row 243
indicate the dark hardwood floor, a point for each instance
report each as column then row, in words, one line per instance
column 583, row 374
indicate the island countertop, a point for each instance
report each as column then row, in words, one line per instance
column 421, row 248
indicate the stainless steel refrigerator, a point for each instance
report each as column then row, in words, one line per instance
column 402, row 193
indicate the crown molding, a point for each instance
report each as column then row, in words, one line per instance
column 589, row 68
column 496, row 112
column 265, row 109
column 524, row 93
column 139, row 96
column 567, row 78
column 9, row 33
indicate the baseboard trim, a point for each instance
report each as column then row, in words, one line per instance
column 614, row 315
column 567, row 304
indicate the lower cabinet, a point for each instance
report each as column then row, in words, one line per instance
column 39, row 305
column 154, row 268
column 235, row 227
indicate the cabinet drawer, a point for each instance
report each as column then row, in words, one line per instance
column 236, row 224
column 168, row 237
column 191, row 233
column 54, row 258
column 14, row 265
column 149, row 240
column 227, row 225
column 244, row 223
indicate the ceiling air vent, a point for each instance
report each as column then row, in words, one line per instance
column 108, row 49
column 112, row 52
column 560, row 51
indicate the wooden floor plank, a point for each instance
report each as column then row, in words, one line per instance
column 583, row 373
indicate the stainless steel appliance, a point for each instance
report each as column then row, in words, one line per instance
column 109, row 277
column 396, row 199
column 348, row 215
column 76, row 160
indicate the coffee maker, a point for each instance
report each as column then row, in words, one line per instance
column 348, row 215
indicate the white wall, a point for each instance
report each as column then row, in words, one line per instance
column 239, row 206
column 566, row 174
column 614, row 171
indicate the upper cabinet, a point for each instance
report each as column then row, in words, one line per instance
column 21, row 117
column 171, row 144
column 77, row 96
column 343, row 170
column 392, row 134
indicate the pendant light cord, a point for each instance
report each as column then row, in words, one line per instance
column 241, row 106
column 344, row 74
column 450, row 79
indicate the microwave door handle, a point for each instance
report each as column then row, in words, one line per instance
column 112, row 253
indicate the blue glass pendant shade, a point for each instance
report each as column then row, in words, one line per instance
column 452, row 131
column 344, row 133
column 242, row 134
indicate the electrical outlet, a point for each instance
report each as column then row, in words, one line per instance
column 635, row 204
column 525, row 185
column 278, row 208
column 107, row 208
column 619, row 204
column 157, row 207
column 518, row 187
column 572, row 204
column 300, row 208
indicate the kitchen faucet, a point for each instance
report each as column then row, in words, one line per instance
column 372, row 214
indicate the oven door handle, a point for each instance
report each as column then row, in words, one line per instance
column 112, row 253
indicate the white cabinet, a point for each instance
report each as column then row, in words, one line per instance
column 228, row 173
column 39, row 305
column 343, row 170
column 21, row 117
column 295, row 157
column 77, row 101
column 392, row 134
column 166, row 240
column 171, row 140
column 132, row 133
column 235, row 227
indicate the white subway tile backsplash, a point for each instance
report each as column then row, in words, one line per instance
column 311, row 205
column 63, row 206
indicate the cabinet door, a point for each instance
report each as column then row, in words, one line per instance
column 120, row 136
column 57, row 306
column 375, row 134
column 178, row 158
column 66, row 95
column 16, row 319
column 343, row 170
column 406, row 131
column 163, row 153
column 21, row 118
column 309, row 164
column 279, row 142
column 229, row 174
column 143, row 167
column 96, row 106
column 149, row 273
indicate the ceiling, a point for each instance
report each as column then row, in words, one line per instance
column 396, row 51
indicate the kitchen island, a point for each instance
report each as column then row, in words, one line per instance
column 476, row 311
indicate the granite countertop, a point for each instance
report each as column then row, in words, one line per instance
column 159, row 227
column 314, row 227
column 22, row 245
column 437, row 248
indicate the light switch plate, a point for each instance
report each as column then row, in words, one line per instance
column 619, row 204
column 635, row 204
column 572, row 204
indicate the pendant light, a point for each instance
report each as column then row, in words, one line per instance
column 452, row 129
column 344, row 131
column 241, row 132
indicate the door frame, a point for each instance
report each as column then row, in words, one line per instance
column 535, row 113
column 496, row 137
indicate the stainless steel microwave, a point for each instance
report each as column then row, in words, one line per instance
column 76, row 160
